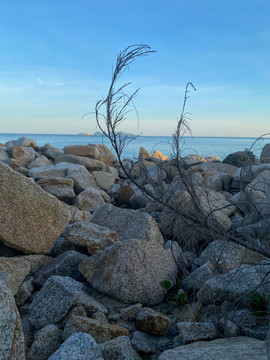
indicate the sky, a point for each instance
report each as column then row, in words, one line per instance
column 57, row 58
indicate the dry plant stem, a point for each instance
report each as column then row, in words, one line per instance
column 116, row 106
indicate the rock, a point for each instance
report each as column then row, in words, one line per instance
column 237, row 283
column 79, row 346
column 81, row 177
column 196, row 331
column 265, row 154
column 131, row 271
column 36, row 262
column 30, row 219
column 149, row 344
column 124, row 194
column 51, row 152
column 54, row 300
column 46, row 342
column 198, row 277
column 143, row 153
column 130, row 313
column 227, row 255
column 65, row 264
column 89, row 200
column 152, row 322
column 4, row 156
column 90, row 304
column 128, row 224
column 24, row 155
column 38, row 162
column 92, row 236
column 104, row 179
column 138, row 200
column 24, row 291
column 100, row 331
column 59, row 187
column 240, row 158
column 11, row 335
column 226, row 349
column 90, row 151
column 140, row 167
column 159, row 155
column 189, row 312
column 13, row 272
column 22, row 141
column 106, row 155
column 118, row 349
column 50, row 171
column 192, row 160
column 80, row 215
column 90, row 164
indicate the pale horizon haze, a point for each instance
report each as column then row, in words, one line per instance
column 57, row 57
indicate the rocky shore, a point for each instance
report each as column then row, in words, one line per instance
column 93, row 268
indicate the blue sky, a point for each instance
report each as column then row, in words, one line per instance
column 56, row 61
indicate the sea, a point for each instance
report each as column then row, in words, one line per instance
column 204, row 146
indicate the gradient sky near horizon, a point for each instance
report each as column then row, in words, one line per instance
column 57, row 55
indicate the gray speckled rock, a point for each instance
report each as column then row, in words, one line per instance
column 149, row 344
column 90, row 304
column 196, row 331
column 128, row 224
column 11, row 335
column 46, row 342
column 30, row 219
column 22, row 154
column 54, row 300
column 92, row 236
column 118, row 349
column 239, row 348
column 38, row 162
column 131, row 271
column 104, row 179
column 65, row 264
column 62, row 188
column 79, row 346
column 90, row 151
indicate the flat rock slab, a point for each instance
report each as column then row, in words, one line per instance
column 11, row 335
column 238, row 348
column 30, row 219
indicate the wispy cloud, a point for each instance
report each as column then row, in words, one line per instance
column 40, row 82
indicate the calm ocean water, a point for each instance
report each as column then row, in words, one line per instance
column 220, row 146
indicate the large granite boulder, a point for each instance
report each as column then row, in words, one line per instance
column 238, row 348
column 240, row 158
column 23, row 154
column 31, row 220
column 13, row 271
column 11, row 335
column 265, row 154
column 22, row 141
column 128, row 224
column 131, row 271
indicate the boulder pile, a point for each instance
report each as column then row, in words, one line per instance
column 93, row 266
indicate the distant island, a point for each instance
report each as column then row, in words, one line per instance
column 85, row 134
column 99, row 133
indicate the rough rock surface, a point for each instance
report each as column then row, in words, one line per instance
column 30, row 219
column 131, row 271
column 128, row 224
column 92, row 236
column 239, row 348
column 13, row 271
column 100, row 331
column 89, row 200
column 79, row 346
column 46, row 342
column 11, row 335
column 54, row 300
column 118, row 349
column 152, row 322
column 90, row 164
